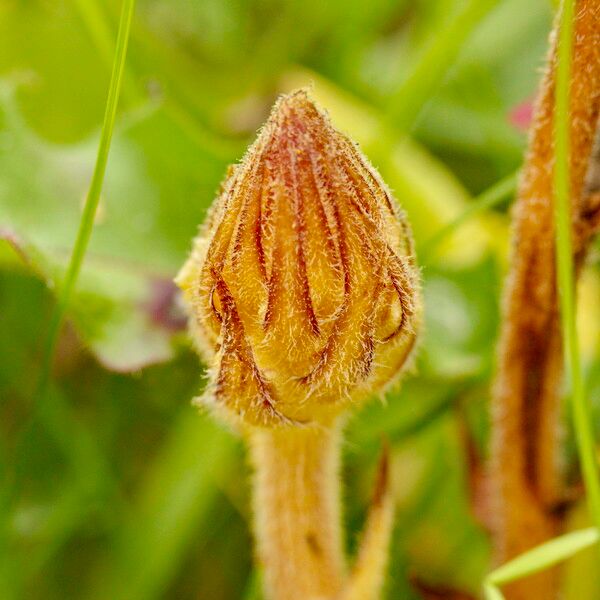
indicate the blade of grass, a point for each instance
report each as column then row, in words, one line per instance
column 93, row 197
column 491, row 592
column 491, row 197
column 427, row 74
column 83, row 236
column 581, row 410
column 537, row 559
column 543, row 556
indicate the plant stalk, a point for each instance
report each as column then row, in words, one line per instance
column 297, row 511
column 525, row 465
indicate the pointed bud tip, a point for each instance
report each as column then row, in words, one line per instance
column 297, row 99
column 295, row 113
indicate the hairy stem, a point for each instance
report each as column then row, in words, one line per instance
column 297, row 511
column 525, row 473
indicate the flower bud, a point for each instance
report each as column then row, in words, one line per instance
column 302, row 287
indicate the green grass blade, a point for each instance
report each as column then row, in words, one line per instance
column 425, row 77
column 493, row 196
column 491, row 592
column 581, row 410
column 93, row 197
column 543, row 556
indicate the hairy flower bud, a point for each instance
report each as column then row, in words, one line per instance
column 302, row 288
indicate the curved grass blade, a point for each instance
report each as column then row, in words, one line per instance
column 539, row 558
column 491, row 592
column 544, row 556
column 93, row 197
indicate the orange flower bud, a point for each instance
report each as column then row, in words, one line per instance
column 302, row 288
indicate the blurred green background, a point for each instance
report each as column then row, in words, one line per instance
column 114, row 487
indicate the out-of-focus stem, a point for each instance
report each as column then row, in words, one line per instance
column 368, row 572
column 297, row 511
column 526, row 478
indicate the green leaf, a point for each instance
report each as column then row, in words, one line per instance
column 154, row 198
column 116, row 311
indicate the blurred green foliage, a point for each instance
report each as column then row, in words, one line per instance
column 113, row 486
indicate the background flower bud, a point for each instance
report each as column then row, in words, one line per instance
column 302, row 288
